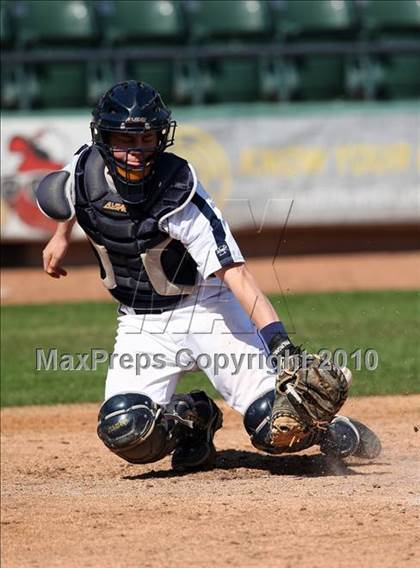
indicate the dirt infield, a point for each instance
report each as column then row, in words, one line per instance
column 67, row 501
column 312, row 273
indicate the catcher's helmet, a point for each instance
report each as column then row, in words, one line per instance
column 131, row 107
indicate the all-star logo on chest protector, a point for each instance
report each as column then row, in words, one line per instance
column 112, row 206
column 140, row 265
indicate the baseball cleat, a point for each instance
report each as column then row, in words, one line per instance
column 341, row 439
column 198, row 451
column 369, row 445
column 348, row 437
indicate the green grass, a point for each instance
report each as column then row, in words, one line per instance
column 387, row 322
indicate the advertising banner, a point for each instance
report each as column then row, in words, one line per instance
column 305, row 168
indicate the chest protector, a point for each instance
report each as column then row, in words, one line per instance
column 140, row 265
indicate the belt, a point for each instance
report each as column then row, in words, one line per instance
column 143, row 311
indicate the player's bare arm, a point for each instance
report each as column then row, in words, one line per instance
column 258, row 307
column 253, row 300
column 56, row 249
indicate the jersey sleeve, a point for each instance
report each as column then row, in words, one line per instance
column 204, row 233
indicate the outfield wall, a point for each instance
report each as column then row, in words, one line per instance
column 322, row 167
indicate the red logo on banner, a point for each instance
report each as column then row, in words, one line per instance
column 34, row 165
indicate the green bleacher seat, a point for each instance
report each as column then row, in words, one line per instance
column 401, row 16
column 146, row 24
column 401, row 76
column 314, row 18
column 397, row 74
column 9, row 83
column 101, row 78
column 229, row 19
column 6, row 31
column 18, row 87
column 279, row 79
column 61, row 85
column 311, row 21
column 46, row 22
column 46, row 25
column 230, row 22
column 10, row 88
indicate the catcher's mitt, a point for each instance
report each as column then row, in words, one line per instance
column 309, row 393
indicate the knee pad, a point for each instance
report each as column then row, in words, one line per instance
column 257, row 421
column 132, row 426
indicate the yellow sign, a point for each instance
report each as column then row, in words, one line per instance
column 208, row 159
column 362, row 158
column 356, row 159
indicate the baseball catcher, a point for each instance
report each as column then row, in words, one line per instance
column 186, row 300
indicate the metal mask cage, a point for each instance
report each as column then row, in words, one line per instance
column 121, row 171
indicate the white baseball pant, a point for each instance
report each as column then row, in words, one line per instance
column 208, row 330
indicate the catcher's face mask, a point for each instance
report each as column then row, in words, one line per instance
column 131, row 127
column 134, row 154
column 130, row 156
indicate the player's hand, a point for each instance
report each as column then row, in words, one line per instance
column 53, row 255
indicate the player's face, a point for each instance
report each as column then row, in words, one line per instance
column 144, row 143
column 134, row 149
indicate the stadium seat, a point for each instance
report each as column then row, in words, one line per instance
column 9, row 88
column 229, row 19
column 320, row 19
column 18, row 87
column 230, row 22
column 279, row 79
column 51, row 24
column 400, row 17
column 70, row 84
column 55, row 22
column 146, row 24
column 398, row 74
column 6, row 31
column 311, row 21
column 9, row 83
